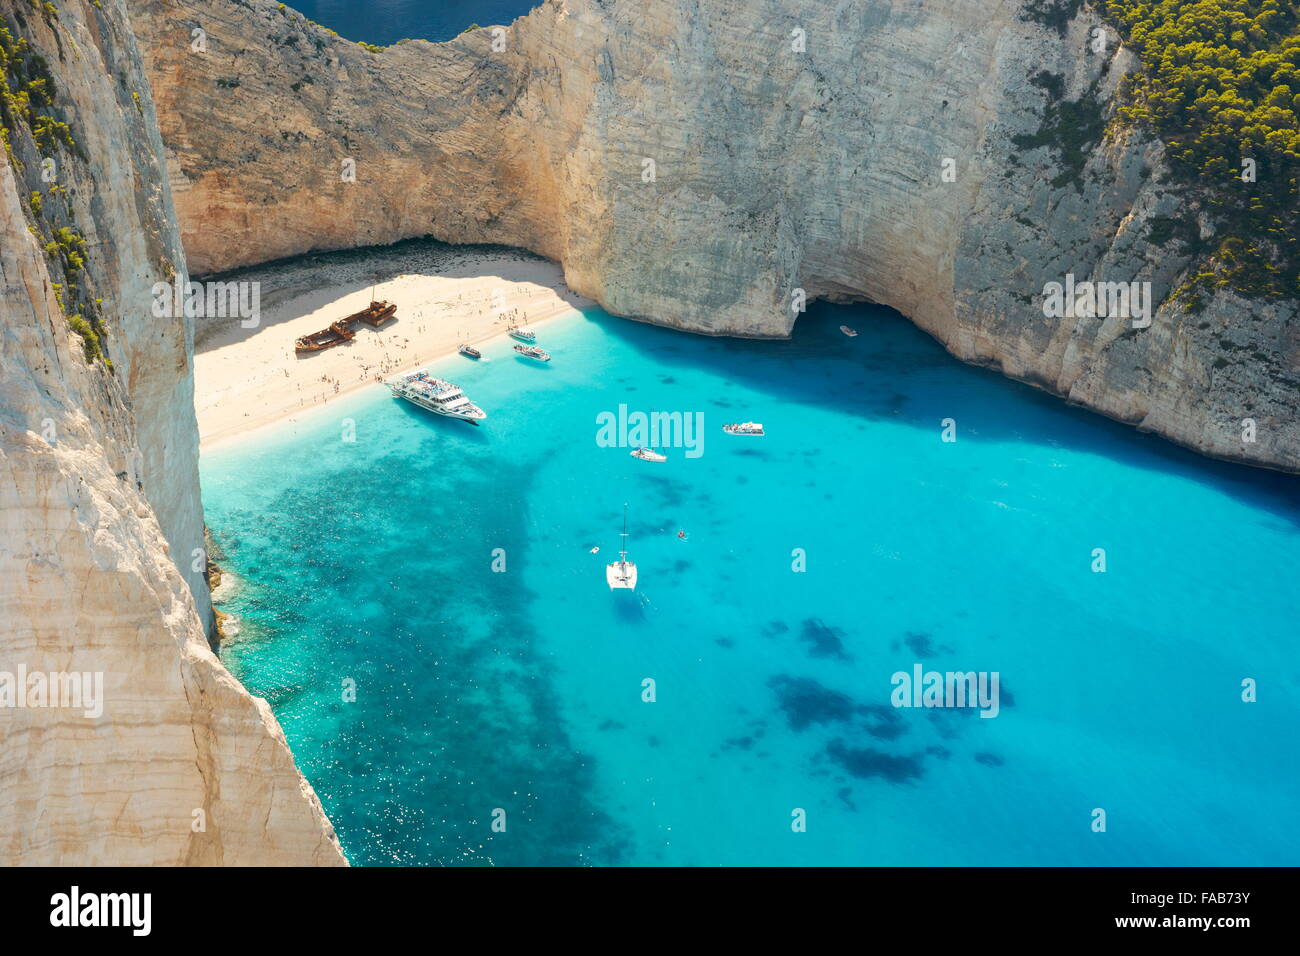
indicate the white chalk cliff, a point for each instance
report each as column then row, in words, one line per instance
column 100, row 515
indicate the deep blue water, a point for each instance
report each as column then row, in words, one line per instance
column 387, row 21
column 371, row 561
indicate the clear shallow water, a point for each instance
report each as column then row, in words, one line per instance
column 387, row 21
column 522, row 690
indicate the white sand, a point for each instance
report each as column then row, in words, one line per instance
column 248, row 378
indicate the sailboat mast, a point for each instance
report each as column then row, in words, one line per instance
column 623, row 553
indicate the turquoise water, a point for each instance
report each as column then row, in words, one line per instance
column 476, row 690
column 387, row 21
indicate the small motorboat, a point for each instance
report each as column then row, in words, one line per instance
column 532, row 351
column 336, row 334
column 744, row 428
column 851, row 333
column 646, row 454
column 470, row 351
column 523, row 335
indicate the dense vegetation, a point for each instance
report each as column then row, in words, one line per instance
column 1221, row 86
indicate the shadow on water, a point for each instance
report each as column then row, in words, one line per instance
column 821, row 367
column 628, row 607
column 435, row 423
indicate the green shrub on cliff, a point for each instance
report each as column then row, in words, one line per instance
column 31, row 123
column 89, row 337
column 1221, row 86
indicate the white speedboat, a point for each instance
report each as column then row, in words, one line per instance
column 523, row 335
column 744, row 428
column 532, row 351
column 435, row 394
column 647, row 454
column 851, row 333
column 621, row 574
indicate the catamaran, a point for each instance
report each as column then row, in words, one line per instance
column 421, row 388
column 744, row 428
column 622, row 574
column 648, row 454
column 532, row 351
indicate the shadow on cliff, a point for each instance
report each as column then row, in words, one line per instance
column 987, row 406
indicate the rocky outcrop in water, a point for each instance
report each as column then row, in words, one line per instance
column 695, row 165
column 174, row 762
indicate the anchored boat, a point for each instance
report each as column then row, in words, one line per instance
column 744, row 428
column 336, row 334
column 435, row 394
column 470, row 351
column 532, row 351
column 523, row 335
column 647, row 454
column 621, row 574
column 851, row 333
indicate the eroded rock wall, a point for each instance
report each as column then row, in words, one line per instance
column 100, row 512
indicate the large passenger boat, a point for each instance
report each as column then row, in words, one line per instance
column 437, row 395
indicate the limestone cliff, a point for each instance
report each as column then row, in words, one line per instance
column 796, row 145
column 99, row 499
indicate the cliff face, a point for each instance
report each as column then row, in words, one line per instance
column 774, row 170
column 99, row 505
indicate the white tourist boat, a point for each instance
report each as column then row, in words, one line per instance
column 435, row 394
column 523, row 335
column 851, row 333
column 648, row 454
column 744, row 428
column 621, row 574
column 532, row 351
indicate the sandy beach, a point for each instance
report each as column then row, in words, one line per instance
column 247, row 378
